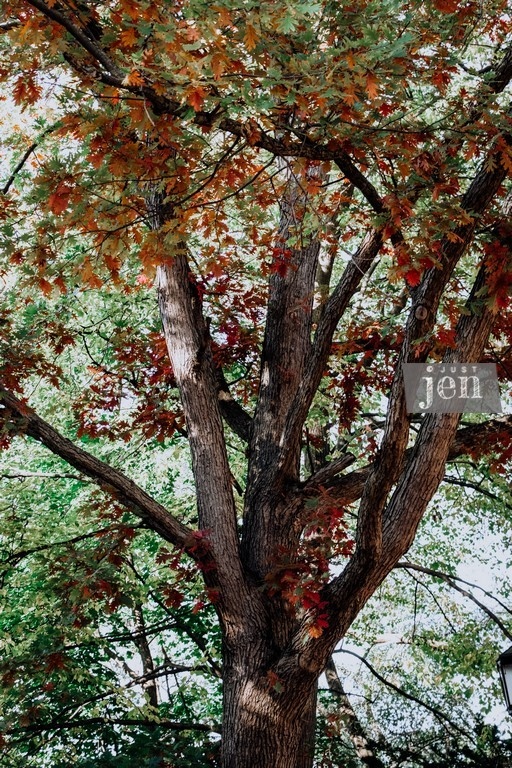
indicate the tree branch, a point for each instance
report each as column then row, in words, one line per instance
column 6, row 26
column 354, row 175
column 111, row 480
column 473, row 334
column 451, row 581
column 440, row 716
column 329, row 471
column 10, row 181
column 232, row 412
column 286, row 349
column 321, row 348
column 79, row 35
column 475, row 487
column 189, row 346
column 57, row 725
column 21, row 475
column 140, row 638
column 17, row 556
column 477, row 438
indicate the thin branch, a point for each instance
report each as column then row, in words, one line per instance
column 32, row 148
column 172, row 725
column 165, row 670
column 475, row 487
column 6, row 26
column 21, row 475
column 196, row 637
column 353, row 726
column 478, row 437
column 440, row 716
column 419, row 583
column 17, row 556
column 451, row 581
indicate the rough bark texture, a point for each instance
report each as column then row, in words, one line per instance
column 264, row 727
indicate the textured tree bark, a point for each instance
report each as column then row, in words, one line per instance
column 265, row 727
column 150, row 685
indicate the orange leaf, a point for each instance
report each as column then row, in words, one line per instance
column 251, row 37
column 224, row 19
column 218, row 65
column 133, row 78
column 351, row 59
column 88, row 276
column 26, row 90
column 58, row 200
column 195, row 97
column 45, row 286
column 349, row 94
column 506, row 158
column 61, row 285
column 372, row 83
column 128, row 37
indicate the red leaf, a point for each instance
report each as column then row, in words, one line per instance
column 413, row 277
column 26, row 90
column 59, row 200
column 446, row 6
column 198, row 605
column 173, row 598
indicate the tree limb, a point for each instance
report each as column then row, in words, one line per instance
column 232, row 412
column 189, row 346
column 57, row 725
column 17, row 556
column 332, row 312
column 475, row 487
column 81, row 38
column 19, row 474
column 477, row 438
column 111, row 480
column 6, row 26
column 10, row 181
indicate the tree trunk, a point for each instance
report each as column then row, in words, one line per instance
column 264, row 726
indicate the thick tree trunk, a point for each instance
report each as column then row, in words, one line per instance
column 264, row 726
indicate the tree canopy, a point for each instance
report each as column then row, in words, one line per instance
column 224, row 229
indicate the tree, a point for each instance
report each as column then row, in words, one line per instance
column 240, row 153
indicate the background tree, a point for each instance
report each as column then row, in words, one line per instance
column 321, row 193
